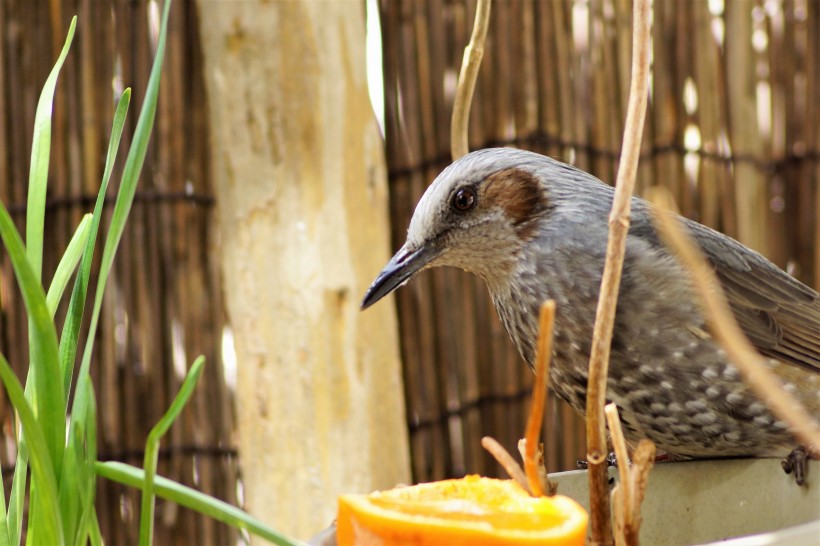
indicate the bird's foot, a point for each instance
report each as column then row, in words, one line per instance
column 797, row 462
column 611, row 460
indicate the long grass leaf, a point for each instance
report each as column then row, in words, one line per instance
column 71, row 329
column 95, row 535
column 40, row 151
column 122, row 206
column 152, row 448
column 5, row 538
column 89, row 526
column 47, row 396
column 77, row 496
column 42, row 336
column 72, row 255
column 17, row 498
column 49, row 529
column 71, row 479
column 193, row 499
column 35, row 506
column 83, row 407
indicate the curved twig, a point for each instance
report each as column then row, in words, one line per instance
column 506, row 460
column 466, row 81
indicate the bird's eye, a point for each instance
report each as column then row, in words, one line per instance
column 463, row 200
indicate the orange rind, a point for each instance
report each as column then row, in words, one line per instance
column 472, row 511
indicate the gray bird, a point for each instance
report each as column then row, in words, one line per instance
column 534, row 229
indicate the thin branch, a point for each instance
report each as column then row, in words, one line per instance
column 549, row 488
column 610, row 283
column 621, row 453
column 466, row 81
column 506, row 460
column 543, row 354
column 618, row 516
column 724, row 328
column 643, row 459
column 630, row 491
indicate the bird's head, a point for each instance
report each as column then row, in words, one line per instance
column 477, row 215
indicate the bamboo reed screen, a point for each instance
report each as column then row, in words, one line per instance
column 733, row 129
column 162, row 306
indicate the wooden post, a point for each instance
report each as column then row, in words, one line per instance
column 301, row 193
column 746, row 138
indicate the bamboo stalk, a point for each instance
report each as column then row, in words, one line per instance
column 708, row 116
column 525, row 89
column 751, row 199
column 616, row 247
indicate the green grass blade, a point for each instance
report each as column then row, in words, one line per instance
column 17, row 498
column 95, row 535
column 5, row 538
column 34, row 508
column 47, row 396
column 139, row 147
column 67, row 264
column 42, row 336
column 125, row 197
column 71, row 329
column 77, row 495
column 40, row 151
column 49, row 528
column 152, row 449
column 89, row 526
column 193, row 499
column 72, row 478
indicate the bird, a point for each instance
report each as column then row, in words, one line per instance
column 534, row 228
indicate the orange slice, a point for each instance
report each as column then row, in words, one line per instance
column 471, row 511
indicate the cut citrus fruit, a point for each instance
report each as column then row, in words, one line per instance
column 471, row 511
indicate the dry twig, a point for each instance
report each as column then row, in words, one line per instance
column 543, row 354
column 610, row 283
column 629, row 493
column 466, row 81
column 506, row 460
column 535, row 480
column 548, row 487
column 726, row 331
column 643, row 459
column 621, row 453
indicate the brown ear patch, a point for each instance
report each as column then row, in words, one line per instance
column 519, row 194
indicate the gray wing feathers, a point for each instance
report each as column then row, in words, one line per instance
column 780, row 315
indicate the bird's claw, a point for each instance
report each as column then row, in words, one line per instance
column 797, row 462
column 611, row 461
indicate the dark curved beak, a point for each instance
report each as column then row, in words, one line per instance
column 400, row 269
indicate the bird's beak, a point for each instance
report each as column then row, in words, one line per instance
column 407, row 262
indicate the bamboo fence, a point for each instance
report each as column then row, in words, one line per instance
column 732, row 130
column 162, row 306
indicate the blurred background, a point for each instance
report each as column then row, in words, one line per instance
column 733, row 129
